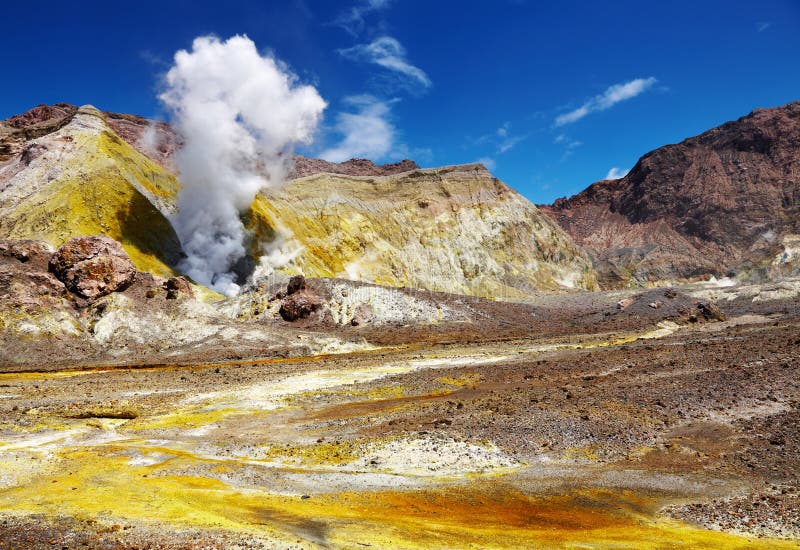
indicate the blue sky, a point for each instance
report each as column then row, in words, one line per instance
column 552, row 96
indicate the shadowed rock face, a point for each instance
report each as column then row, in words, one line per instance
column 726, row 202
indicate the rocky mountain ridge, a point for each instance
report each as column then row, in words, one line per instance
column 725, row 203
column 158, row 141
column 452, row 229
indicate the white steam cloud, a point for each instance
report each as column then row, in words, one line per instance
column 366, row 133
column 240, row 114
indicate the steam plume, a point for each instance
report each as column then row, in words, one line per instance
column 240, row 114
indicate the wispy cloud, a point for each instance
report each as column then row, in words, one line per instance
column 353, row 21
column 390, row 54
column 507, row 140
column 366, row 133
column 616, row 173
column 761, row 26
column 613, row 95
column 501, row 140
column 568, row 144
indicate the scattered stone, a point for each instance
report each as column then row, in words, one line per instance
column 296, row 283
column 362, row 315
column 655, row 305
column 624, row 303
column 710, row 312
column 177, row 287
column 92, row 266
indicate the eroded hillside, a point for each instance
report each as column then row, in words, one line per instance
column 724, row 203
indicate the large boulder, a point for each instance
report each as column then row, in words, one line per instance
column 300, row 301
column 92, row 266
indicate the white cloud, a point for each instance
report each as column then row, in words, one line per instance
column 352, row 20
column 366, row 133
column 502, row 140
column 763, row 25
column 509, row 143
column 613, row 95
column 390, row 54
column 616, row 173
column 568, row 144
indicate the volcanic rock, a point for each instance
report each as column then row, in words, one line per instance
column 26, row 251
column 74, row 176
column 299, row 301
column 25, row 283
column 452, row 229
column 362, row 315
column 296, row 283
column 92, row 266
column 724, row 203
column 178, row 287
column 304, row 166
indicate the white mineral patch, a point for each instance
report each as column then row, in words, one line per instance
column 273, row 395
column 442, row 457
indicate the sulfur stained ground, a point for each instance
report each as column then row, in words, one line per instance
column 661, row 437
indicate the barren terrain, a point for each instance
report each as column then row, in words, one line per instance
column 599, row 425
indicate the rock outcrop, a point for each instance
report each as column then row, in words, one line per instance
column 453, row 229
column 92, row 266
column 76, row 177
column 304, row 167
column 724, row 203
column 300, row 301
column 27, row 289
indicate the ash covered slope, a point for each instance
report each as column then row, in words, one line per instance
column 454, row 229
column 66, row 173
column 726, row 202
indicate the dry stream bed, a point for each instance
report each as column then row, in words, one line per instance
column 589, row 442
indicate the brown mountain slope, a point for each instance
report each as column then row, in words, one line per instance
column 724, row 203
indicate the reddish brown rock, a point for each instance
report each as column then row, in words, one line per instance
column 299, row 301
column 26, row 251
column 25, row 284
column 296, row 283
column 304, row 166
column 92, row 266
column 42, row 114
column 154, row 139
column 715, row 204
column 178, row 287
column 39, row 121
